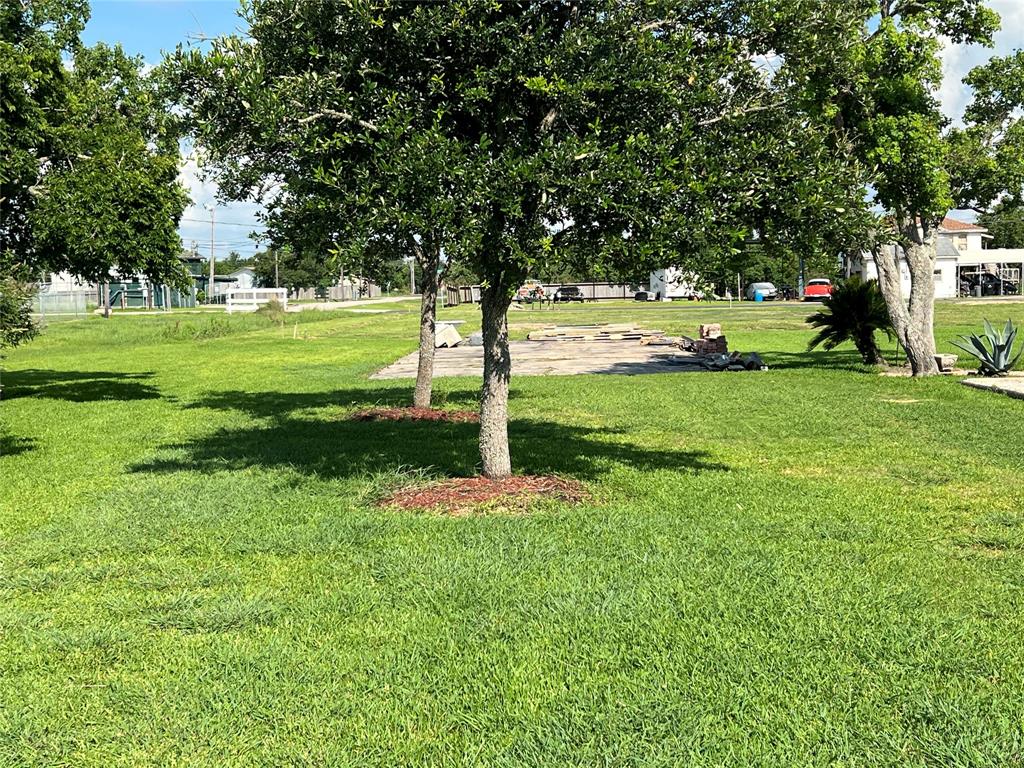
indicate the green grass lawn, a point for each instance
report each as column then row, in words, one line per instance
column 815, row 565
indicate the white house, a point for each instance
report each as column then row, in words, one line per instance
column 962, row 262
column 244, row 278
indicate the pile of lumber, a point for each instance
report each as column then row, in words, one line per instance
column 602, row 332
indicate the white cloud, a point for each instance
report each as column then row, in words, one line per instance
column 958, row 60
column 233, row 221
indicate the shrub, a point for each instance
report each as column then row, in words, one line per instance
column 854, row 312
column 16, row 325
column 274, row 311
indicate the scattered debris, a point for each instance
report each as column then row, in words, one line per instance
column 733, row 362
column 411, row 413
column 461, row 495
column 611, row 349
column 754, row 362
column 445, row 335
column 711, row 341
column 602, row 332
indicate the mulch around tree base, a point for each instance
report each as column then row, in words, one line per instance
column 462, row 494
column 410, row 413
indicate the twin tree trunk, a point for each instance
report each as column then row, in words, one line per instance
column 494, row 304
column 494, row 452
column 913, row 321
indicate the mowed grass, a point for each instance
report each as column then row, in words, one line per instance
column 816, row 565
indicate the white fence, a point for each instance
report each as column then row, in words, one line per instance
column 250, row 299
column 366, row 290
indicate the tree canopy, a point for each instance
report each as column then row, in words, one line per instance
column 867, row 73
column 603, row 136
column 90, row 155
column 291, row 269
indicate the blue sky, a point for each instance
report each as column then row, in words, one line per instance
column 154, row 27
column 151, row 27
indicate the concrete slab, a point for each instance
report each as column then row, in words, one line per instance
column 1012, row 387
column 553, row 358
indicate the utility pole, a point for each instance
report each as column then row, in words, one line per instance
column 412, row 276
column 277, row 276
column 209, row 288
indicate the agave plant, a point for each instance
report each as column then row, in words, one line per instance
column 853, row 312
column 996, row 358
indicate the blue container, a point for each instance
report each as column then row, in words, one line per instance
column 758, row 296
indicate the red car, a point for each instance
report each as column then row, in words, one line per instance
column 819, row 289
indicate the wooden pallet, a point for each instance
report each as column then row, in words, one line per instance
column 606, row 332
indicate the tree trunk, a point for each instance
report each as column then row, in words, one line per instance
column 913, row 321
column 430, row 259
column 494, row 452
column 869, row 351
column 106, row 300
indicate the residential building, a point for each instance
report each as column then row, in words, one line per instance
column 964, row 266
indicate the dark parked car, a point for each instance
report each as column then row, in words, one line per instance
column 991, row 285
column 568, row 293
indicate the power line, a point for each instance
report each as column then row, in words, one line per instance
column 226, row 223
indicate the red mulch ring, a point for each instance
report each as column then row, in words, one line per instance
column 462, row 494
column 410, row 413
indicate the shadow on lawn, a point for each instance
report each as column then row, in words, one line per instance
column 337, row 447
column 264, row 405
column 836, row 360
column 12, row 446
column 78, row 386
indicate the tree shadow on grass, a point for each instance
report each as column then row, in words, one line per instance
column 264, row 405
column 11, row 445
column 78, row 386
column 335, row 446
column 836, row 360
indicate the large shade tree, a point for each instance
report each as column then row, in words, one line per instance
column 1005, row 222
column 868, row 71
column 89, row 154
column 345, row 159
column 505, row 136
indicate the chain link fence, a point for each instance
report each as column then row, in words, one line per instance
column 54, row 306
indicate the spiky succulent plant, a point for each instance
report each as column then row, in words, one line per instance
column 996, row 357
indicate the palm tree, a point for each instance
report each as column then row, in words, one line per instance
column 853, row 312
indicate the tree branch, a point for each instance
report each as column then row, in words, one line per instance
column 745, row 110
column 337, row 115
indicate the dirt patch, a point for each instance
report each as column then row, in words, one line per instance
column 461, row 495
column 410, row 413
